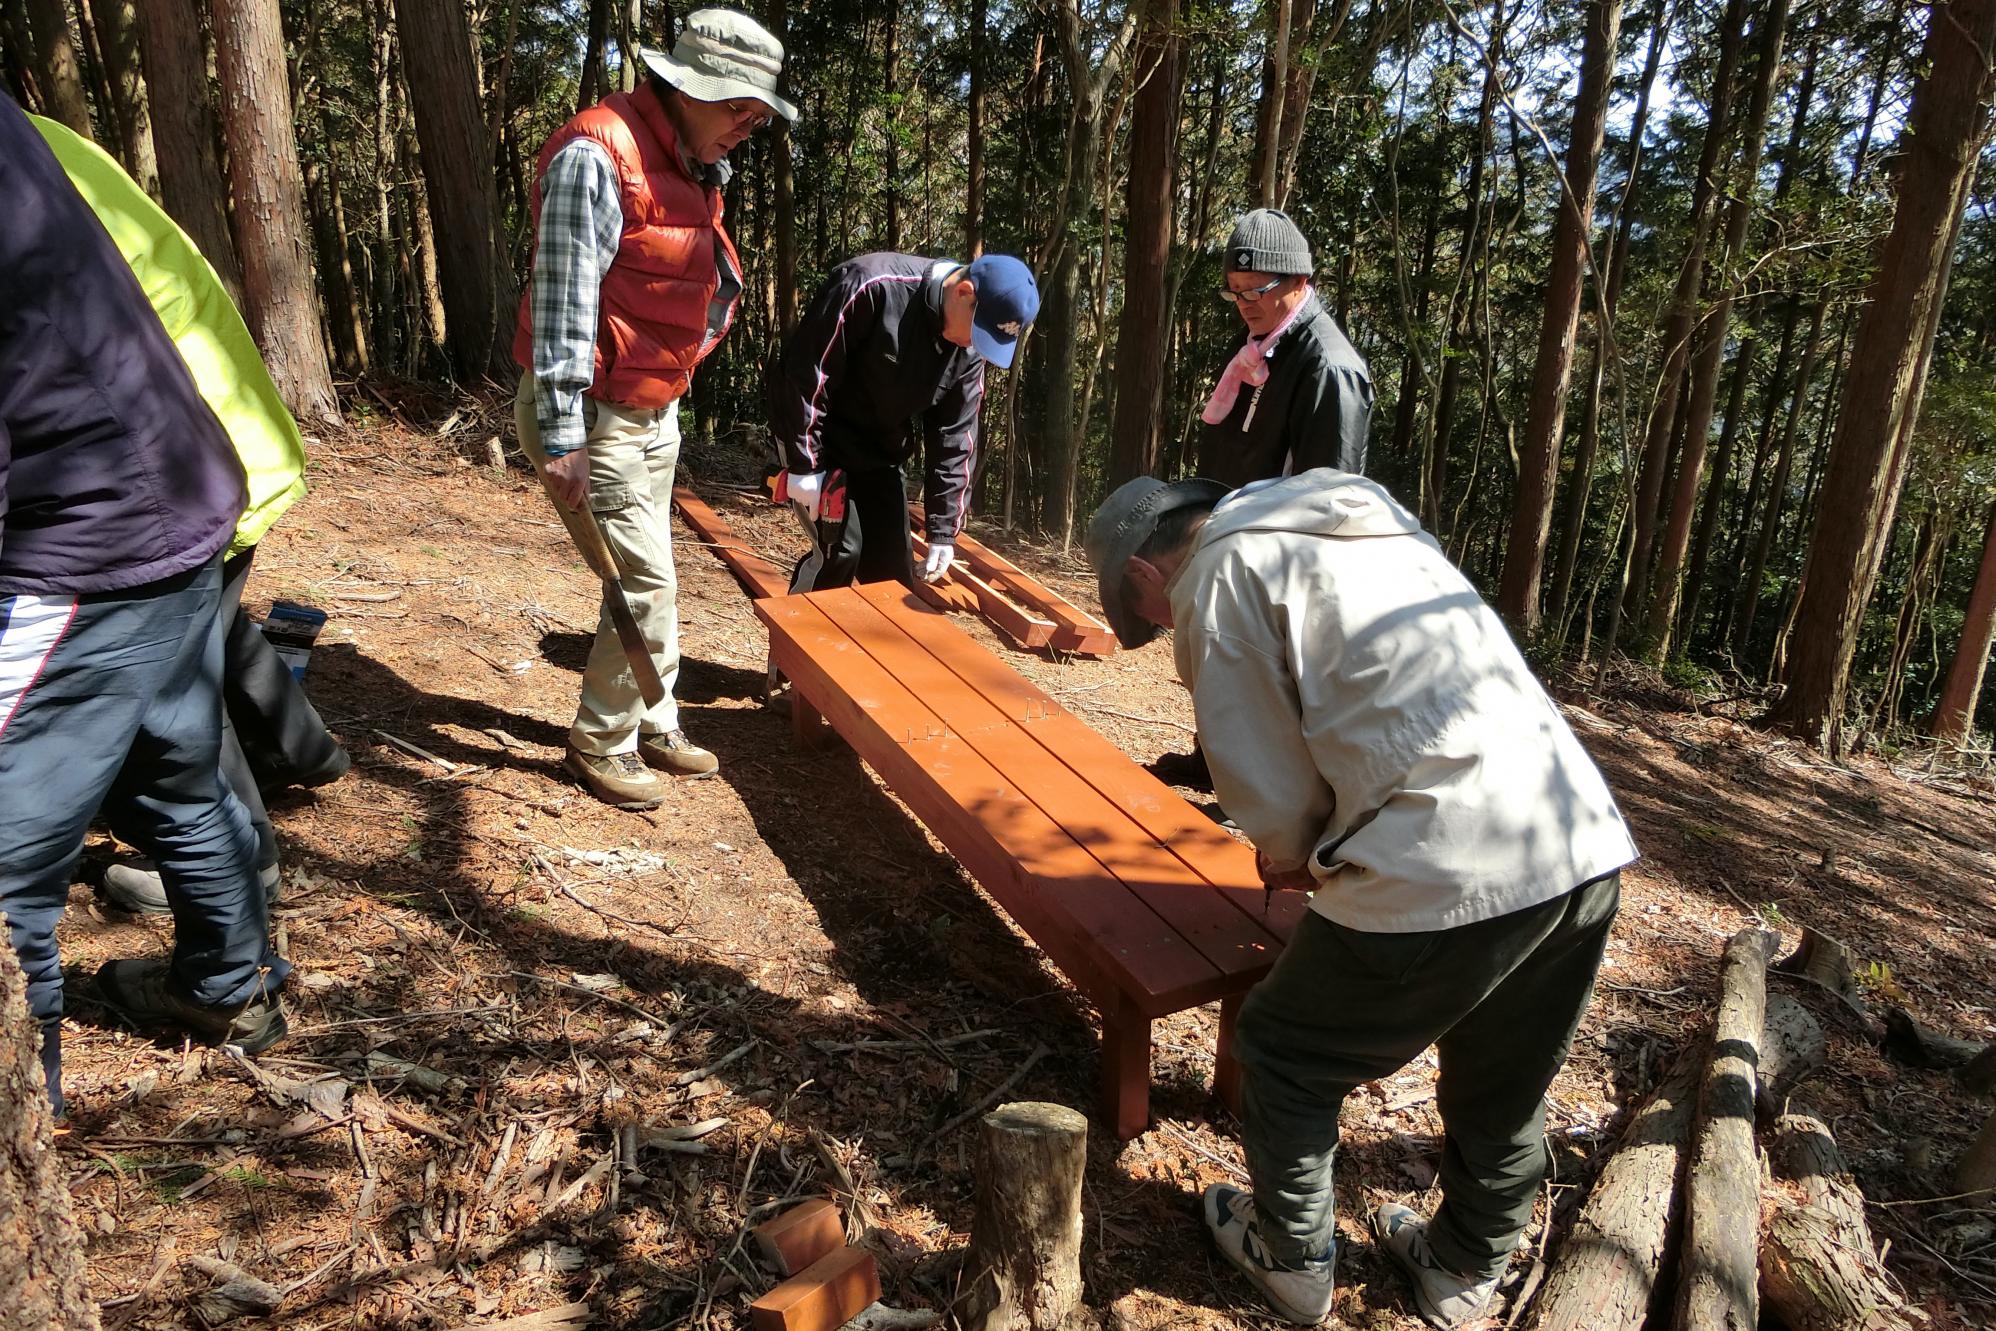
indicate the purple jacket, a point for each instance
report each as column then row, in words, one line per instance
column 113, row 472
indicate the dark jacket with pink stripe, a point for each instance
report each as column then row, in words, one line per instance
column 113, row 472
column 867, row 378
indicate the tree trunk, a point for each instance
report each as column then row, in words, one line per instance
column 785, row 188
column 973, row 194
column 1545, row 416
column 1274, row 92
column 457, row 169
column 1945, row 131
column 1715, row 1288
column 1605, row 1275
column 891, row 128
column 46, row 1288
column 118, row 35
column 1955, row 715
column 1023, row 1270
column 589, row 85
column 630, row 69
column 1668, row 584
column 1819, row 1270
column 183, row 123
column 1777, row 490
column 269, row 194
column 1144, row 335
column 17, row 55
column 421, row 228
column 388, row 256
column 59, row 65
column 1680, row 323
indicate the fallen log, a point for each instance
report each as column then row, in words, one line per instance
column 1604, row 1277
column 1716, row 1289
column 1907, row 1041
column 1023, row 1270
column 1976, row 1171
column 1791, row 1048
column 1819, row 1270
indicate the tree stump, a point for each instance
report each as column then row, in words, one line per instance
column 1818, row 1268
column 1023, row 1271
column 1717, row 1289
column 1823, row 959
column 41, row 1248
column 1791, row 1047
column 1605, row 1275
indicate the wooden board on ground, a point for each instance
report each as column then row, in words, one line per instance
column 1147, row 906
column 757, row 575
column 1073, row 629
column 1015, row 623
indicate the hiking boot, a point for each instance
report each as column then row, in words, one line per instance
column 1444, row 1299
column 620, row 780
column 272, row 782
column 143, row 992
column 135, row 886
column 674, row 753
column 1301, row 1294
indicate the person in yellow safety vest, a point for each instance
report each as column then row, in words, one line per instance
column 271, row 735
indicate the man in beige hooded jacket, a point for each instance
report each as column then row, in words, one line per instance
column 1374, row 731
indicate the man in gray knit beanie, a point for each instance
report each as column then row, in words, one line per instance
column 1296, row 395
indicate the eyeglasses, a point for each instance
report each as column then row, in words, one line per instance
column 751, row 112
column 1252, row 294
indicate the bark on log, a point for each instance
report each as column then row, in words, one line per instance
column 1717, row 1289
column 1823, row 959
column 1605, row 1275
column 1791, row 1047
column 1818, row 1268
column 41, row 1249
column 1023, row 1271
column 1908, row 1042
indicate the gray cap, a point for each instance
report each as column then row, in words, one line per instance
column 1119, row 529
column 1266, row 241
column 722, row 55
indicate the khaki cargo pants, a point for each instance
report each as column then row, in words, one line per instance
column 633, row 454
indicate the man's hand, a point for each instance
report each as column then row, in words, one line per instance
column 568, row 478
column 1298, row 879
column 806, row 489
column 941, row 555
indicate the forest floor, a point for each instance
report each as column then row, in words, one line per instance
column 495, row 974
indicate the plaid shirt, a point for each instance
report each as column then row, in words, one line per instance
column 582, row 228
column 582, row 225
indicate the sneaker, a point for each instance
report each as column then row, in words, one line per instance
column 135, row 886
column 143, row 993
column 618, row 779
column 1445, row 1299
column 1301, row 1294
column 673, row 752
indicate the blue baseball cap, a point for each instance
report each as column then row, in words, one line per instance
column 1007, row 302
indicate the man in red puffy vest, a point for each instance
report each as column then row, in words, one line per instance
column 635, row 282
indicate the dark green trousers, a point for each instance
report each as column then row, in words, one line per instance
column 1500, row 999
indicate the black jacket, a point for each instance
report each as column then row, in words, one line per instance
column 866, row 378
column 1312, row 412
column 113, row 472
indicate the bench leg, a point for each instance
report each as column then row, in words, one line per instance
column 1226, row 1068
column 1126, row 1070
column 807, row 723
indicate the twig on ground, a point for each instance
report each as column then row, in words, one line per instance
column 990, row 1097
column 733, row 1055
column 418, row 751
column 1132, row 716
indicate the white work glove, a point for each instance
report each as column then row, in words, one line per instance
column 941, row 555
column 807, row 490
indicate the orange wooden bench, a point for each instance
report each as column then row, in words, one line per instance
column 1144, row 903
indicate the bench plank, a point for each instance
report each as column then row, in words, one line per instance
column 1085, row 918
column 1206, row 848
column 1157, row 879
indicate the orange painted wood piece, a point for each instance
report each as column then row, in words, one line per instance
column 1014, row 622
column 800, row 1236
column 1074, row 629
column 758, row 576
column 823, row 1296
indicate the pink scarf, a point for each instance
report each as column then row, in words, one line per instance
column 1249, row 366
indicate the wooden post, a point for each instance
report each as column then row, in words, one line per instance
column 1605, row 1276
column 1819, row 1270
column 1023, row 1271
column 807, row 723
column 1227, row 1068
column 1717, row 1288
column 1125, row 1069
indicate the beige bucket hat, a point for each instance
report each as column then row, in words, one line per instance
column 722, row 54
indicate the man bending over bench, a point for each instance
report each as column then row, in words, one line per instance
column 1375, row 732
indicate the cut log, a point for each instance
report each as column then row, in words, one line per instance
column 1023, row 1271
column 1716, row 1290
column 1977, row 1170
column 1604, row 1277
column 1818, row 1268
column 1791, row 1047
column 1907, row 1041
column 1823, row 959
